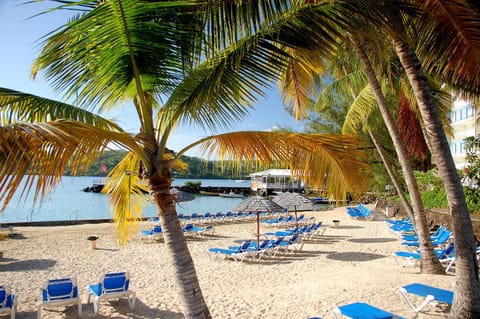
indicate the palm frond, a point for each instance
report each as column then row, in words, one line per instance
column 334, row 161
column 360, row 109
column 45, row 149
column 344, row 85
column 449, row 42
column 297, row 84
column 229, row 21
column 113, row 47
column 223, row 89
column 18, row 106
column 128, row 197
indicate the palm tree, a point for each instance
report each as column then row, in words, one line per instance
column 466, row 303
column 447, row 53
column 142, row 51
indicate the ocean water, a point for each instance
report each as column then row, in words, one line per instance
column 69, row 202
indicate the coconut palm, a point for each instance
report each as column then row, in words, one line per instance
column 146, row 52
column 458, row 47
column 451, row 49
column 448, row 29
column 363, row 104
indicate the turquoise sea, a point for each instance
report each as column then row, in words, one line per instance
column 69, row 202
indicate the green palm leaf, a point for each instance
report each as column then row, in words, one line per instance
column 18, row 106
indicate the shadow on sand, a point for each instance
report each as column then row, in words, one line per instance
column 24, row 265
column 354, row 256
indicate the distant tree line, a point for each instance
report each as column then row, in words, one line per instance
column 197, row 167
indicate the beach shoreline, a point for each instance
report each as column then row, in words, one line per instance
column 348, row 263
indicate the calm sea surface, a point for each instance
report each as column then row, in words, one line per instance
column 69, row 202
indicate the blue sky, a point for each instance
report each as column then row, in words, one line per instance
column 20, row 33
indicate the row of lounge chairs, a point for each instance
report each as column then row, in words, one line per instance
column 441, row 240
column 286, row 241
column 285, row 221
column 361, row 212
column 64, row 292
column 156, row 233
column 221, row 217
column 427, row 293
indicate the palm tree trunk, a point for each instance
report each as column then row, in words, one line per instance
column 403, row 199
column 193, row 303
column 430, row 263
column 467, row 293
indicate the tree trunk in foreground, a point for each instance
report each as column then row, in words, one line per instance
column 193, row 303
column 467, row 290
column 430, row 262
column 403, row 199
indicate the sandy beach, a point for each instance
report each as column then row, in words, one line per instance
column 346, row 264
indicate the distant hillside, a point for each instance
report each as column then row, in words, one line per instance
column 197, row 167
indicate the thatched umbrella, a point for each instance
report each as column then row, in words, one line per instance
column 257, row 205
column 181, row 196
column 295, row 200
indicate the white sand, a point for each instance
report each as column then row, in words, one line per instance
column 349, row 263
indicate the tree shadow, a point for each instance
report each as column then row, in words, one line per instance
column 372, row 240
column 345, row 227
column 141, row 311
column 354, row 256
column 33, row 264
column 16, row 236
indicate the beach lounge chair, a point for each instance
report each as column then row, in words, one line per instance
column 258, row 251
column 433, row 236
column 111, row 286
column 364, row 311
column 360, row 212
column 440, row 240
column 237, row 253
column 294, row 243
column 405, row 258
column 203, row 230
column 153, row 234
column 429, row 293
column 8, row 304
column 449, row 261
column 60, row 293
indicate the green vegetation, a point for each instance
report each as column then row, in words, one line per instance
column 197, row 167
column 433, row 192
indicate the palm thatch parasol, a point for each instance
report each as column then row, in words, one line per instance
column 181, row 196
column 257, row 205
column 294, row 201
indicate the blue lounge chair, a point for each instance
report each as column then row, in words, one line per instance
column 428, row 292
column 258, row 251
column 237, row 253
column 111, row 286
column 411, row 258
column 203, row 230
column 360, row 212
column 60, row 293
column 440, row 240
column 8, row 304
column 294, row 243
column 153, row 234
column 433, row 236
column 360, row 310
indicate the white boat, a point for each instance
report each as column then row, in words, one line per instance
column 232, row 194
